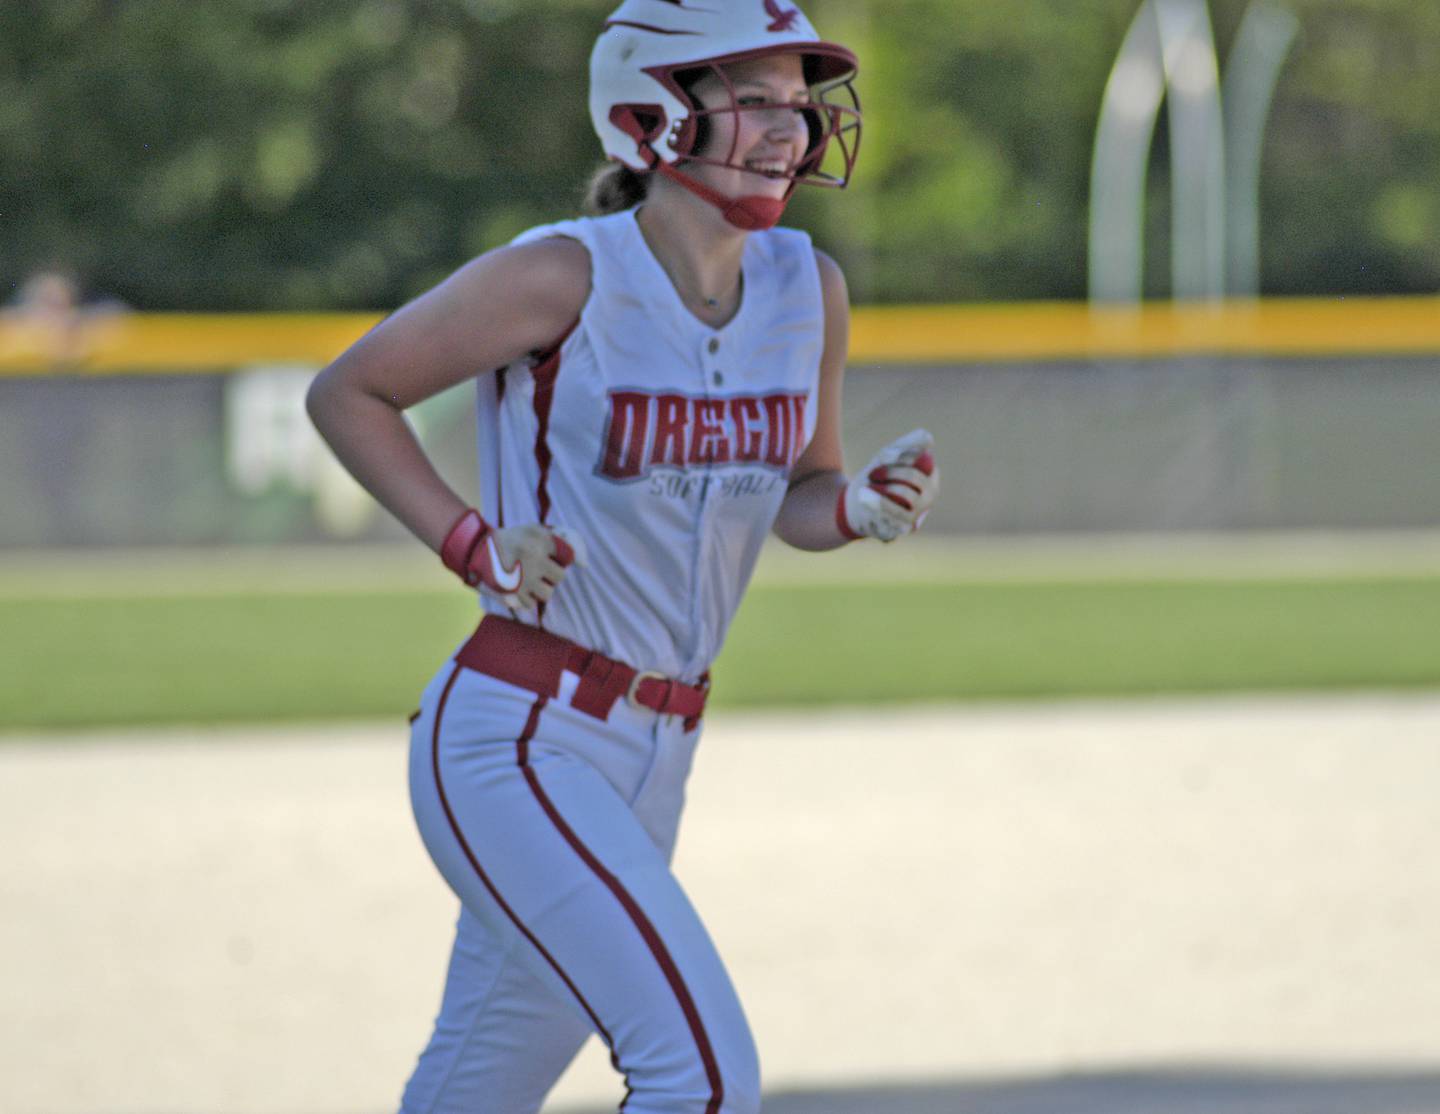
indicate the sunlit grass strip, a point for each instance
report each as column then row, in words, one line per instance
column 273, row 658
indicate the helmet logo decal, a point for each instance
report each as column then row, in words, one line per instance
column 782, row 19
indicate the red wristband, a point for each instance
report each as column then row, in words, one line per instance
column 460, row 543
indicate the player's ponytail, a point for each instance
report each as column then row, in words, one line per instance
column 614, row 188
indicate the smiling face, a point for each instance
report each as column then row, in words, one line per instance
column 767, row 142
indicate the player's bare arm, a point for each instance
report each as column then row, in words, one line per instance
column 807, row 516
column 825, row 510
column 491, row 312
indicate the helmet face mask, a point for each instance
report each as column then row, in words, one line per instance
column 831, row 114
column 650, row 54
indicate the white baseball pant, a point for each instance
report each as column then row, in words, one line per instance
column 556, row 830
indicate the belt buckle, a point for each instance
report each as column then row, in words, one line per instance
column 632, row 694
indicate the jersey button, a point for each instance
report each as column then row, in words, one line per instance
column 719, row 379
column 714, row 345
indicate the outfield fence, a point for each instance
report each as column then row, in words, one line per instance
column 1325, row 415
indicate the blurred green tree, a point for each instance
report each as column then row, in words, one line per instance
column 253, row 154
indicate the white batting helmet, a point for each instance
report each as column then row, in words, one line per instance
column 646, row 119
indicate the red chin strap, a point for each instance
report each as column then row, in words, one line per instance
column 754, row 213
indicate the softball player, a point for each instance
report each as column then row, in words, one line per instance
column 668, row 391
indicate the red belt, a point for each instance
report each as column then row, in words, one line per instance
column 533, row 659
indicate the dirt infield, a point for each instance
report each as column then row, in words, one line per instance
column 1204, row 905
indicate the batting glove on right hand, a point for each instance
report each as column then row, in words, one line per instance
column 523, row 565
column 894, row 493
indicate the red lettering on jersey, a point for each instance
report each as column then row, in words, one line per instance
column 747, row 441
column 670, row 415
column 625, row 437
column 777, row 446
column 644, row 431
column 708, row 443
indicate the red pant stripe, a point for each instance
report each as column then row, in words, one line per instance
column 651, row 936
column 485, row 878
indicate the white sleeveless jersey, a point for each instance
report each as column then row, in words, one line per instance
column 664, row 443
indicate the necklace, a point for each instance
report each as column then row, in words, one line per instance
column 714, row 303
column 688, row 294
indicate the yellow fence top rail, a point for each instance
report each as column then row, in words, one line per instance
column 1067, row 330
column 180, row 343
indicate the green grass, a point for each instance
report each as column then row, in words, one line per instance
column 223, row 658
column 819, row 645
column 350, row 652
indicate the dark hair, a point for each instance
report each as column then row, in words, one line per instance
column 614, row 188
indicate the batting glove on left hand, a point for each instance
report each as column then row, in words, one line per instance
column 894, row 493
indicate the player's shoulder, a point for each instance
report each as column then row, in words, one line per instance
column 547, row 277
column 833, row 288
column 553, row 261
column 831, row 273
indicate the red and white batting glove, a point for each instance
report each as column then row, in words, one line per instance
column 894, row 493
column 523, row 565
